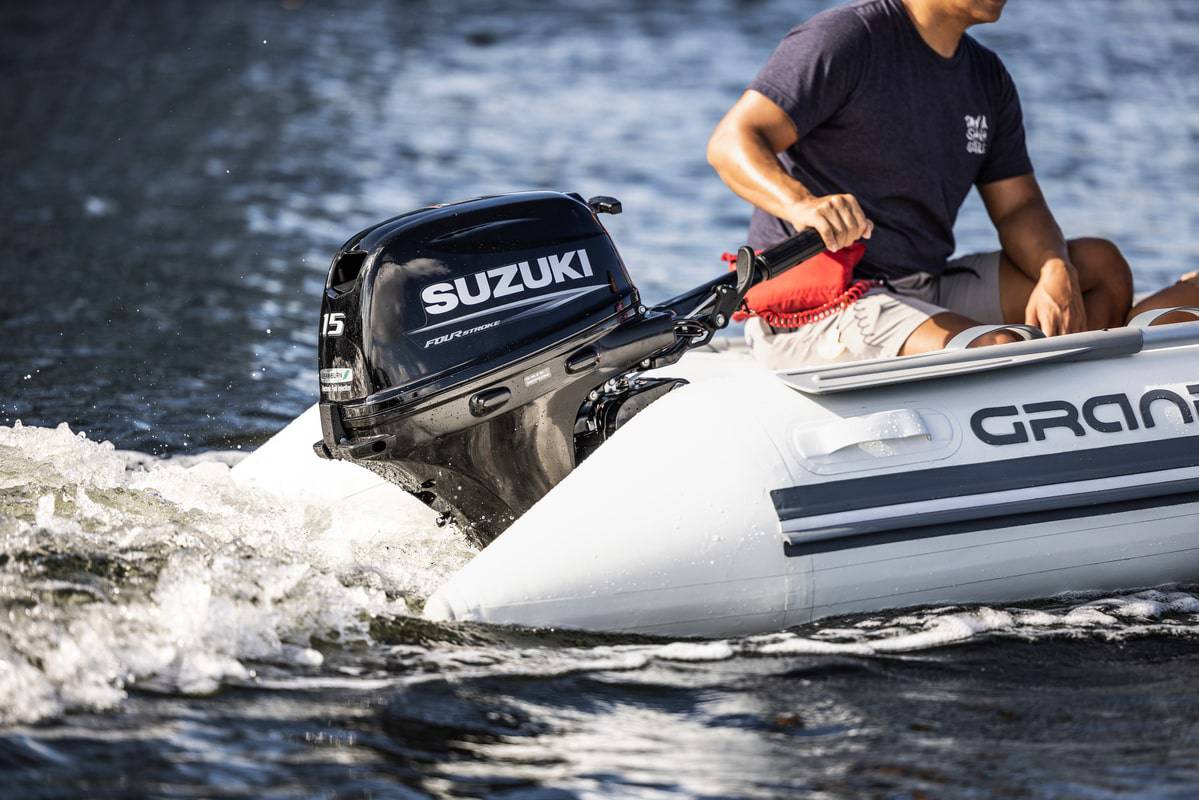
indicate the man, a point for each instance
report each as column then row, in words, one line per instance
column 872, row 121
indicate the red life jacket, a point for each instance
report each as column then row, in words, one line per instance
column 820, row 286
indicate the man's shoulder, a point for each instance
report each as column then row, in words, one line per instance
column 849, row 27
column 987, row 59
column 980, row 50
column 844, row 22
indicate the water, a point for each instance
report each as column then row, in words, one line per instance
column 176, row 177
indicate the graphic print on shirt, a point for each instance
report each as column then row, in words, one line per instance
column 976, row 134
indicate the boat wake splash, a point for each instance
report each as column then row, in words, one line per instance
column 116, row 569
column 120, row 570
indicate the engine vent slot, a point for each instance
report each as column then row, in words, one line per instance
column 345, row 271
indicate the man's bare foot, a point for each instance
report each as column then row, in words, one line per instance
column 1183, row 293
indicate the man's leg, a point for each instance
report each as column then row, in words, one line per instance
column 935, row 332
column 1103, row 276
column 1106, row 281
column 1183, row 293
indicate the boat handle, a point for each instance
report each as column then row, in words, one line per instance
column 971, row 335
column 830, row 437
column 1147, row 318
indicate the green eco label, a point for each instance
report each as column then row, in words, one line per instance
column 335, row 376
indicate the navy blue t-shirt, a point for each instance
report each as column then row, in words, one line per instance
column 884, row 117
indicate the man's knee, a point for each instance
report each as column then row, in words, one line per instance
column 1102, row 267
column 998, row 337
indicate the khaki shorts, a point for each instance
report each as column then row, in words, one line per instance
column 877, row 325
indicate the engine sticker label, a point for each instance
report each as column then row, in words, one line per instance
column 538, row 376
column 483, row 287
column 334, row 377
column 458, row 334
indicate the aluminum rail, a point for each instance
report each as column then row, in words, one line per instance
column 1087, row 346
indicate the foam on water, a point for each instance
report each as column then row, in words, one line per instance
column 1142, row 613
column 119, row 569
column 1110, row 618
column 178, row 576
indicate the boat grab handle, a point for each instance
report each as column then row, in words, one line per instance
column 877, row 428
column 1147, row 318
column 971, row 335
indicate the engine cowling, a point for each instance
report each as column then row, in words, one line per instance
column 459, row 343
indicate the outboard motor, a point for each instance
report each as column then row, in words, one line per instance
column 474, row 353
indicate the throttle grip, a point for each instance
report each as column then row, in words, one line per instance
column 787, row 254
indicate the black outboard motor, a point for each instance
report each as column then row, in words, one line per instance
column 474, row 353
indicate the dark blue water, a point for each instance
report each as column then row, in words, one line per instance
column 175, row 178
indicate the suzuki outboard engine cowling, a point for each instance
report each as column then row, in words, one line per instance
column 460, row 345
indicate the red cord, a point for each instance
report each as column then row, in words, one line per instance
column 797, row 319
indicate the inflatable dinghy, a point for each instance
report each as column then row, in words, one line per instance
column 493, row 359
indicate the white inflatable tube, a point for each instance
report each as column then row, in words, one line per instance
column 743, row 505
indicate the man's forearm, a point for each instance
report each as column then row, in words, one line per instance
column 746, row 158
column 1032, row 239
column 1034, row 243
column 745, row 161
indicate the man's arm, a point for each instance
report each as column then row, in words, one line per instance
column 744, row 151
column 1032, row 240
